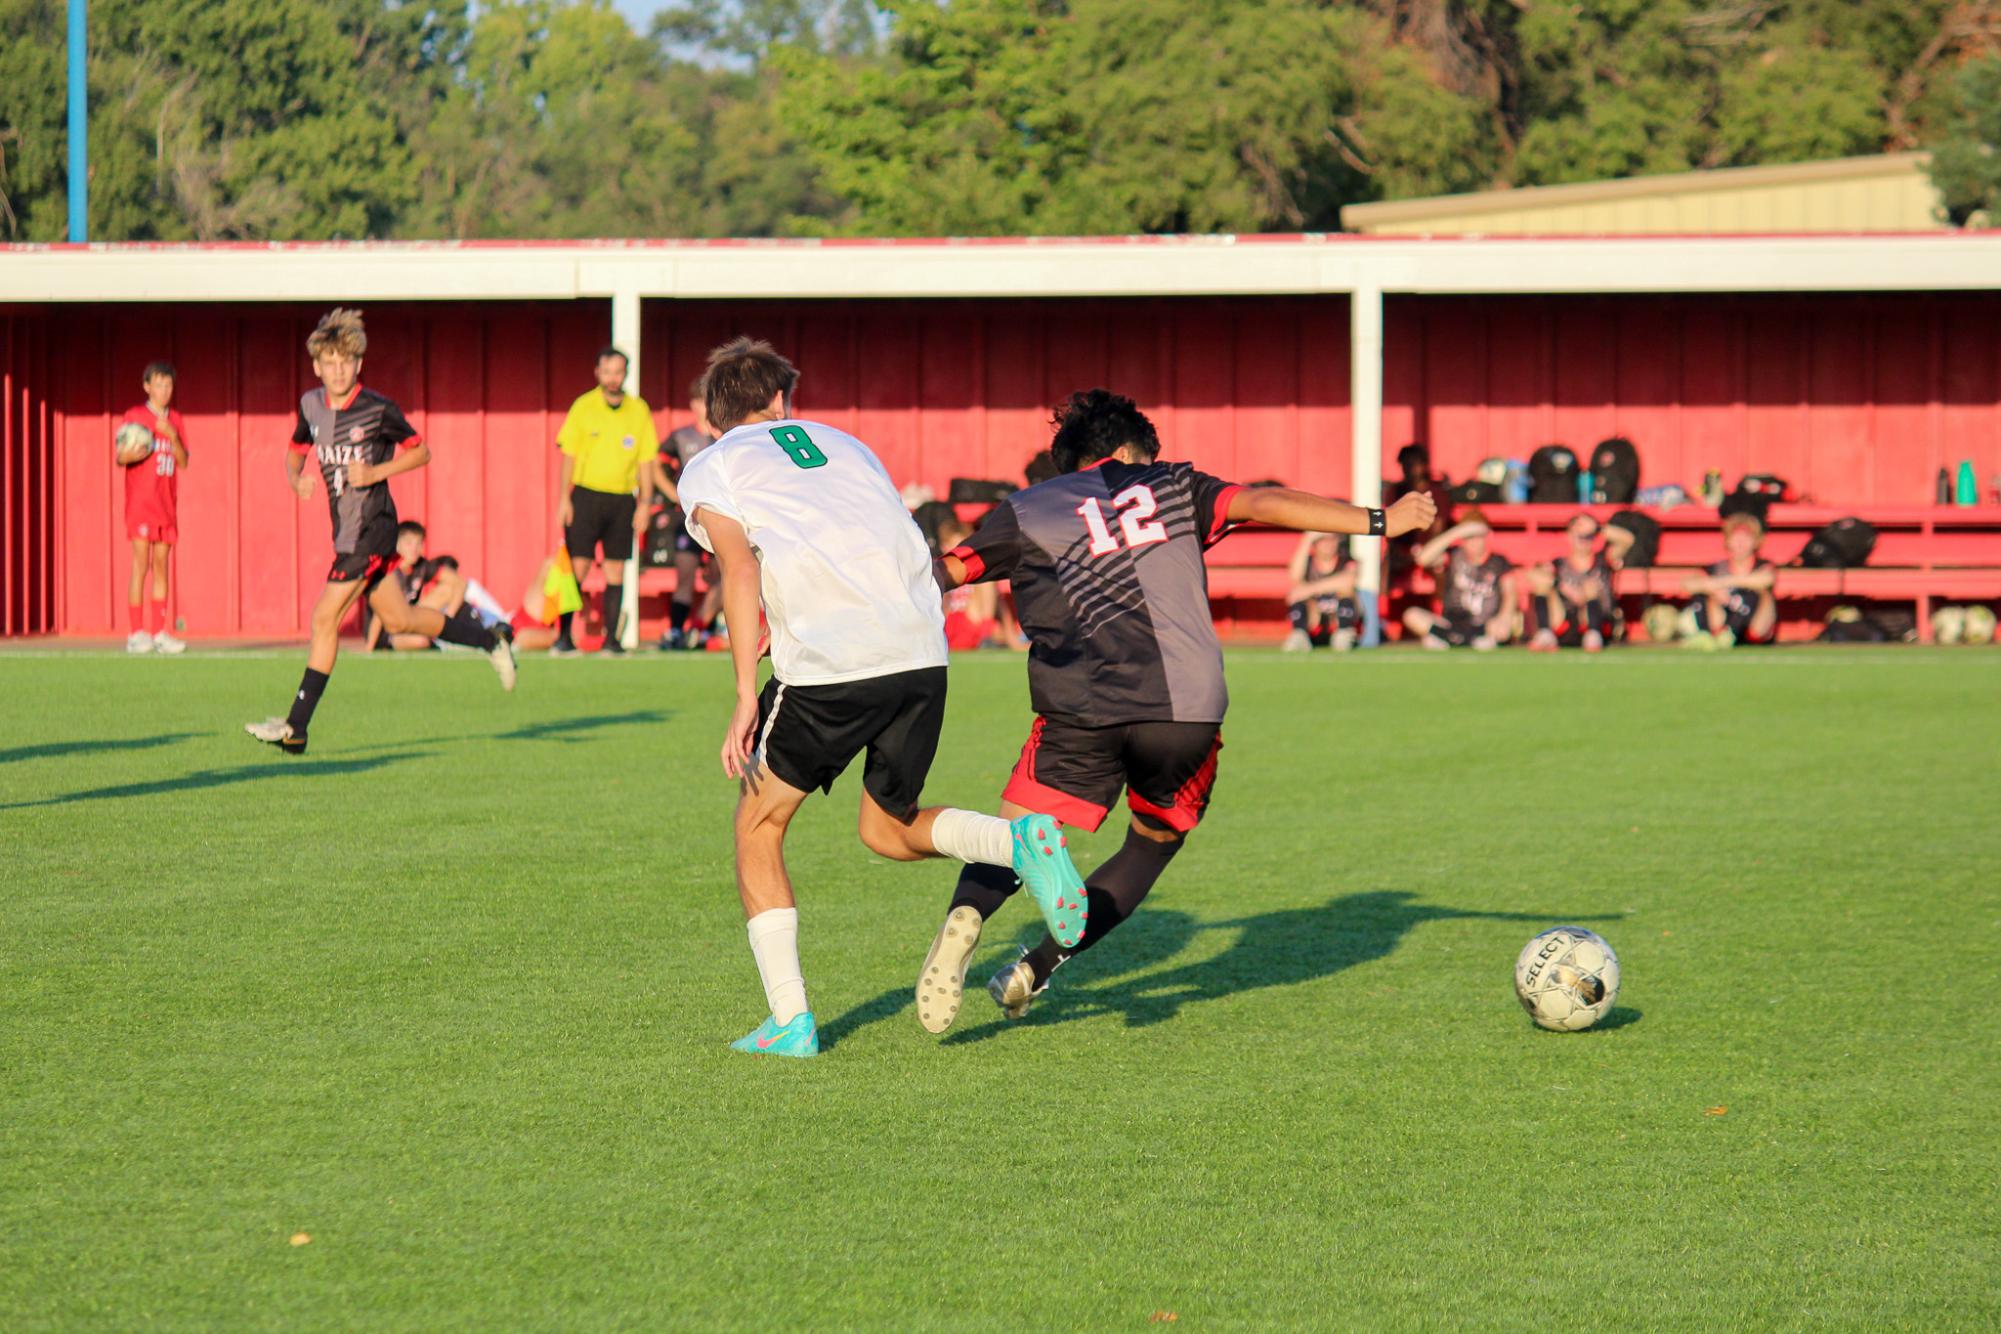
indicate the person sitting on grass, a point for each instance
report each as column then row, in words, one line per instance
column 426, row 582
column 1571, row 599
column 1321, row 601
column 1734, row 602
column 1477, row 599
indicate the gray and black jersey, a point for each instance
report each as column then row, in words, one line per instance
column 369, row 426
column 1111, row 588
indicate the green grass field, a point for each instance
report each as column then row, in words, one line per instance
column 451, row 996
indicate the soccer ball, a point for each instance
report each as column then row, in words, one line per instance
column 1979, row 625
column 1948, row 625
column 1567, row 978
column 132, row 444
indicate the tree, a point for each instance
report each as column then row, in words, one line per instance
column 1966, row 160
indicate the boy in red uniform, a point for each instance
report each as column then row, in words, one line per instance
column 152, row 490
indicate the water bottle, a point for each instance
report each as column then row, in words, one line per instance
column 1944, row 487
column 1584, row 486
column 1969, row 485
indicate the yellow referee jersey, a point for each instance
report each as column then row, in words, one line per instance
column 606, row 443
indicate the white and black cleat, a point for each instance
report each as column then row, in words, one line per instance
column 277, row 732
column 501, row 655
column 943, row 978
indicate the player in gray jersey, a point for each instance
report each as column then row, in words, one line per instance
column 1124, row 668
column 360, row 439
column 677, row 451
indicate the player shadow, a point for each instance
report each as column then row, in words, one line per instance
column 1275, row 949
column 214, row 778
column 81, row 746
column 886, row 1006
column 567, row 729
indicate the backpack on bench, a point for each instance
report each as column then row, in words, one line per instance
column 1842, row 545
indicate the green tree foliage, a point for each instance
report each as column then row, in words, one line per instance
column 1966, row 163
column 377, row 118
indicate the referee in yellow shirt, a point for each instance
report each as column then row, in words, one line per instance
column 606, row 489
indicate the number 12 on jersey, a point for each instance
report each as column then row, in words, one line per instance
column 1135, row 506
column 799, row 446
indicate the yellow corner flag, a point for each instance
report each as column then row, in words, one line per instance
column 560, row 593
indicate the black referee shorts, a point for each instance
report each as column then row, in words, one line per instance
column 807, row 735
column 598, row 518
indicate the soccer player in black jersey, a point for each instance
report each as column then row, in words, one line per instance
column 360, row 439
column 1124, row 668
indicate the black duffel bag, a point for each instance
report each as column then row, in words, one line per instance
column 1842, row 545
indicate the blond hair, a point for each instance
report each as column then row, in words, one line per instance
column 339, row 334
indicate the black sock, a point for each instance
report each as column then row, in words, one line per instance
column 1114, row 892
column 984, row 888
column 310, row 688
column 614, row 598
column 677, row 615
column 462, row 627
column 563, row 624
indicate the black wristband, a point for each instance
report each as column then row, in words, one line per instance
column 1376, row 523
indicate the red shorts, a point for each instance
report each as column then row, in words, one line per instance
column 145, row 528
column 963, row 632
column 1074, row 774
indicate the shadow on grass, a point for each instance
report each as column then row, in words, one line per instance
column 1617, row 1017
column 1274, row 949
column 886, row 1006
column 50, row 749
column 275, row 767
column 567, row 729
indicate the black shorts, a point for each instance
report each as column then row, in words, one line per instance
column 373, row 557
column 599, row 519
column 1458, row 628
column 1073, row 773
column 808, row 735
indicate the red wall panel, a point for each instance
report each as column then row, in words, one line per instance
column 1856, row 399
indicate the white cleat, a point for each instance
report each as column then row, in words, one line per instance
column 943, row 976
column 1013, row 988
column 277, row 732
column 501, row 655
column 166, row 643
column 139, row 642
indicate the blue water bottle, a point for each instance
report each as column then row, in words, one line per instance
column 1584, row 486
column 1969, row 485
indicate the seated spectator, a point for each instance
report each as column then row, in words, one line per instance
column 1321, row 601
column 426, row 582
column 1734, row 603
column 1571, row 600
column 974, row 614
column 1477, row 598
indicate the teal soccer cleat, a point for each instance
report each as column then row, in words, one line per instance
column 801, row 1037
column 1042, row 860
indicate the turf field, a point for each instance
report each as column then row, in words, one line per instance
column 450, row 997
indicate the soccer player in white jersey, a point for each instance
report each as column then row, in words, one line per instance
column 804, row 517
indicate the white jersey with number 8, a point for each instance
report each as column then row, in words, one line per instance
column 846, row 573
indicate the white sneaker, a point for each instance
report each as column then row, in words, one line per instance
column 943, row 976
column 1483, row 644
column 1297, row 642
column 501, row 655
column 1343, row 640
column 166, row 643
column 1434, row 644
column 139, row 642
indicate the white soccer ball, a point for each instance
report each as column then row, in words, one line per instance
column 1567, row 978
column 1948, row 625
column 131, row 444
column 1979, row 625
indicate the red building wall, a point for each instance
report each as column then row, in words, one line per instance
column 1856, row 399
column 28, row 484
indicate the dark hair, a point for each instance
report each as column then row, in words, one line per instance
column 698, row 391
column 409, row 526
column 1094, row 425
column 1413, row 454
column 154, row 368
column 609, row 351
column 742, row 377
column 445, row 563
column 1041, row 468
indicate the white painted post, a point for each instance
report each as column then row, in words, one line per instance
column 625, row 337
column 1365, row 396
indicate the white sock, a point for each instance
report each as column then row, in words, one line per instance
column 972, row 837
column 774, row 942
